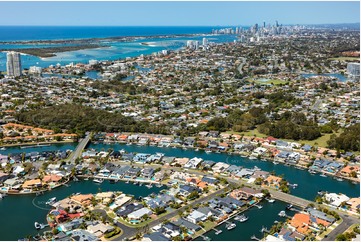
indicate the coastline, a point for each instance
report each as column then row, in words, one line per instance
column 38, row 143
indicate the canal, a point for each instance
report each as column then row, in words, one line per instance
column 257, row 218
column 18, row 213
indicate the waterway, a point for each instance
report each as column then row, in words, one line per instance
column 256, row 219
column 18, row 213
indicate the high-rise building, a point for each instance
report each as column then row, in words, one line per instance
column 13, row 64
column 353, row 69
column 196, row 45
column 204, row 42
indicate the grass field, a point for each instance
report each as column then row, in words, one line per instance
column 269, row 81
column 346, row 58
column 321, row 141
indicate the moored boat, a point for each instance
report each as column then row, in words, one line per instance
column 231, row 226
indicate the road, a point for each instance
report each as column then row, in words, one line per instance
column 317, row 104
column 131, row 232
column 341, row 228
column 79, row 149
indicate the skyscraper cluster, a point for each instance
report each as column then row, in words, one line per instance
column 13, row 64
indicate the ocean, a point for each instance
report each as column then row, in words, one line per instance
column 112, row 50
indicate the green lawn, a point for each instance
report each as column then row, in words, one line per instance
column 270, row 81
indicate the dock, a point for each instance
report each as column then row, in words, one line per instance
column 264, row 229
column 205, row 238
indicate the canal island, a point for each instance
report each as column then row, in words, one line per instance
column 181, row 133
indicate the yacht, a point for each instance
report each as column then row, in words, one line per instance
column 218, row 232
column 275, row 162
column 230, row 226
column 208, row 151
column 39, row 225
column 3, row 148
column 96, row 180
column 51, row 201
column 323, row 175
column 271, row 200
column 282, row 214
column 339, row 179
column 243, row 218
column 197, row 149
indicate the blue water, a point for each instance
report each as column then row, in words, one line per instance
column 18, row 33
column 112, row 50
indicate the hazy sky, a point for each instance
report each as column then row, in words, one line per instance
column 177, row 13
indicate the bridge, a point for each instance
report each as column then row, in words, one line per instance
column 79, row 149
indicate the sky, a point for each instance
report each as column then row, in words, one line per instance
column 177, row 13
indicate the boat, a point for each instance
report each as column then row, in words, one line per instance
column 289, row 206
column 208, row 151
column 271, row 200
column 96, row 180
column 230, row 226
column 282, row 214
column 3, row 148
column 256, row 168
column 252, row 158
column 86, row 179
column 39, row 225
column 197, row 149
column 75, row 179
column 312, row 172
column 1, row 196
column 127, row 181
column 339, row 179
column 258, row 206
column 354, row 182
column 321, row 193
column 293, row 185
column 129, row 144
column 276, row 222
column 243, row 218
column 149, row 185
column 323, row 175
column 275, row 163
column 51, row 201
column 218, row 232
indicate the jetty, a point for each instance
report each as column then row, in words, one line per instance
column 253, row 237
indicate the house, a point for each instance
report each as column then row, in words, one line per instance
column 82, row 199
column 210, row 180
column 354, row 204
column 197, row 216
column 32, row 184
column 100, row 229
column 245, row 193
column 349, row 170
column 188, row 225
column 185, row 190
column 71, row 225
column 147, row 172
column 83, row 235
column 289, row 235
column 245, row 172
column 127, row 209
column 321, row 215
column 272, row 181
column 336, row 199
column 193, row 163
column 220, row 167
column 156, row 236
column 171, row 230
column 138, row 214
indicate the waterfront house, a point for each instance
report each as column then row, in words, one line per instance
column 12, row 183
column 147, row 172
column 71, row 225
column 272, row 181
column 188, row 225
column 288, row 235
column 245, row 193
column 208, row 164
column 30, row 184
column 120, row 201
column 349, row 170
column 193, row 163
column 133, row 172
column 51, row 178
column 335, row 199
column 220, row 167
column 245, row 172
column 83, row 235
column 82, row 199
column 3, row 177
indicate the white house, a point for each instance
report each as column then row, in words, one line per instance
column 139, row 213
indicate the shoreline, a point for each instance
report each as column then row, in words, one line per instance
column 38, row 143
